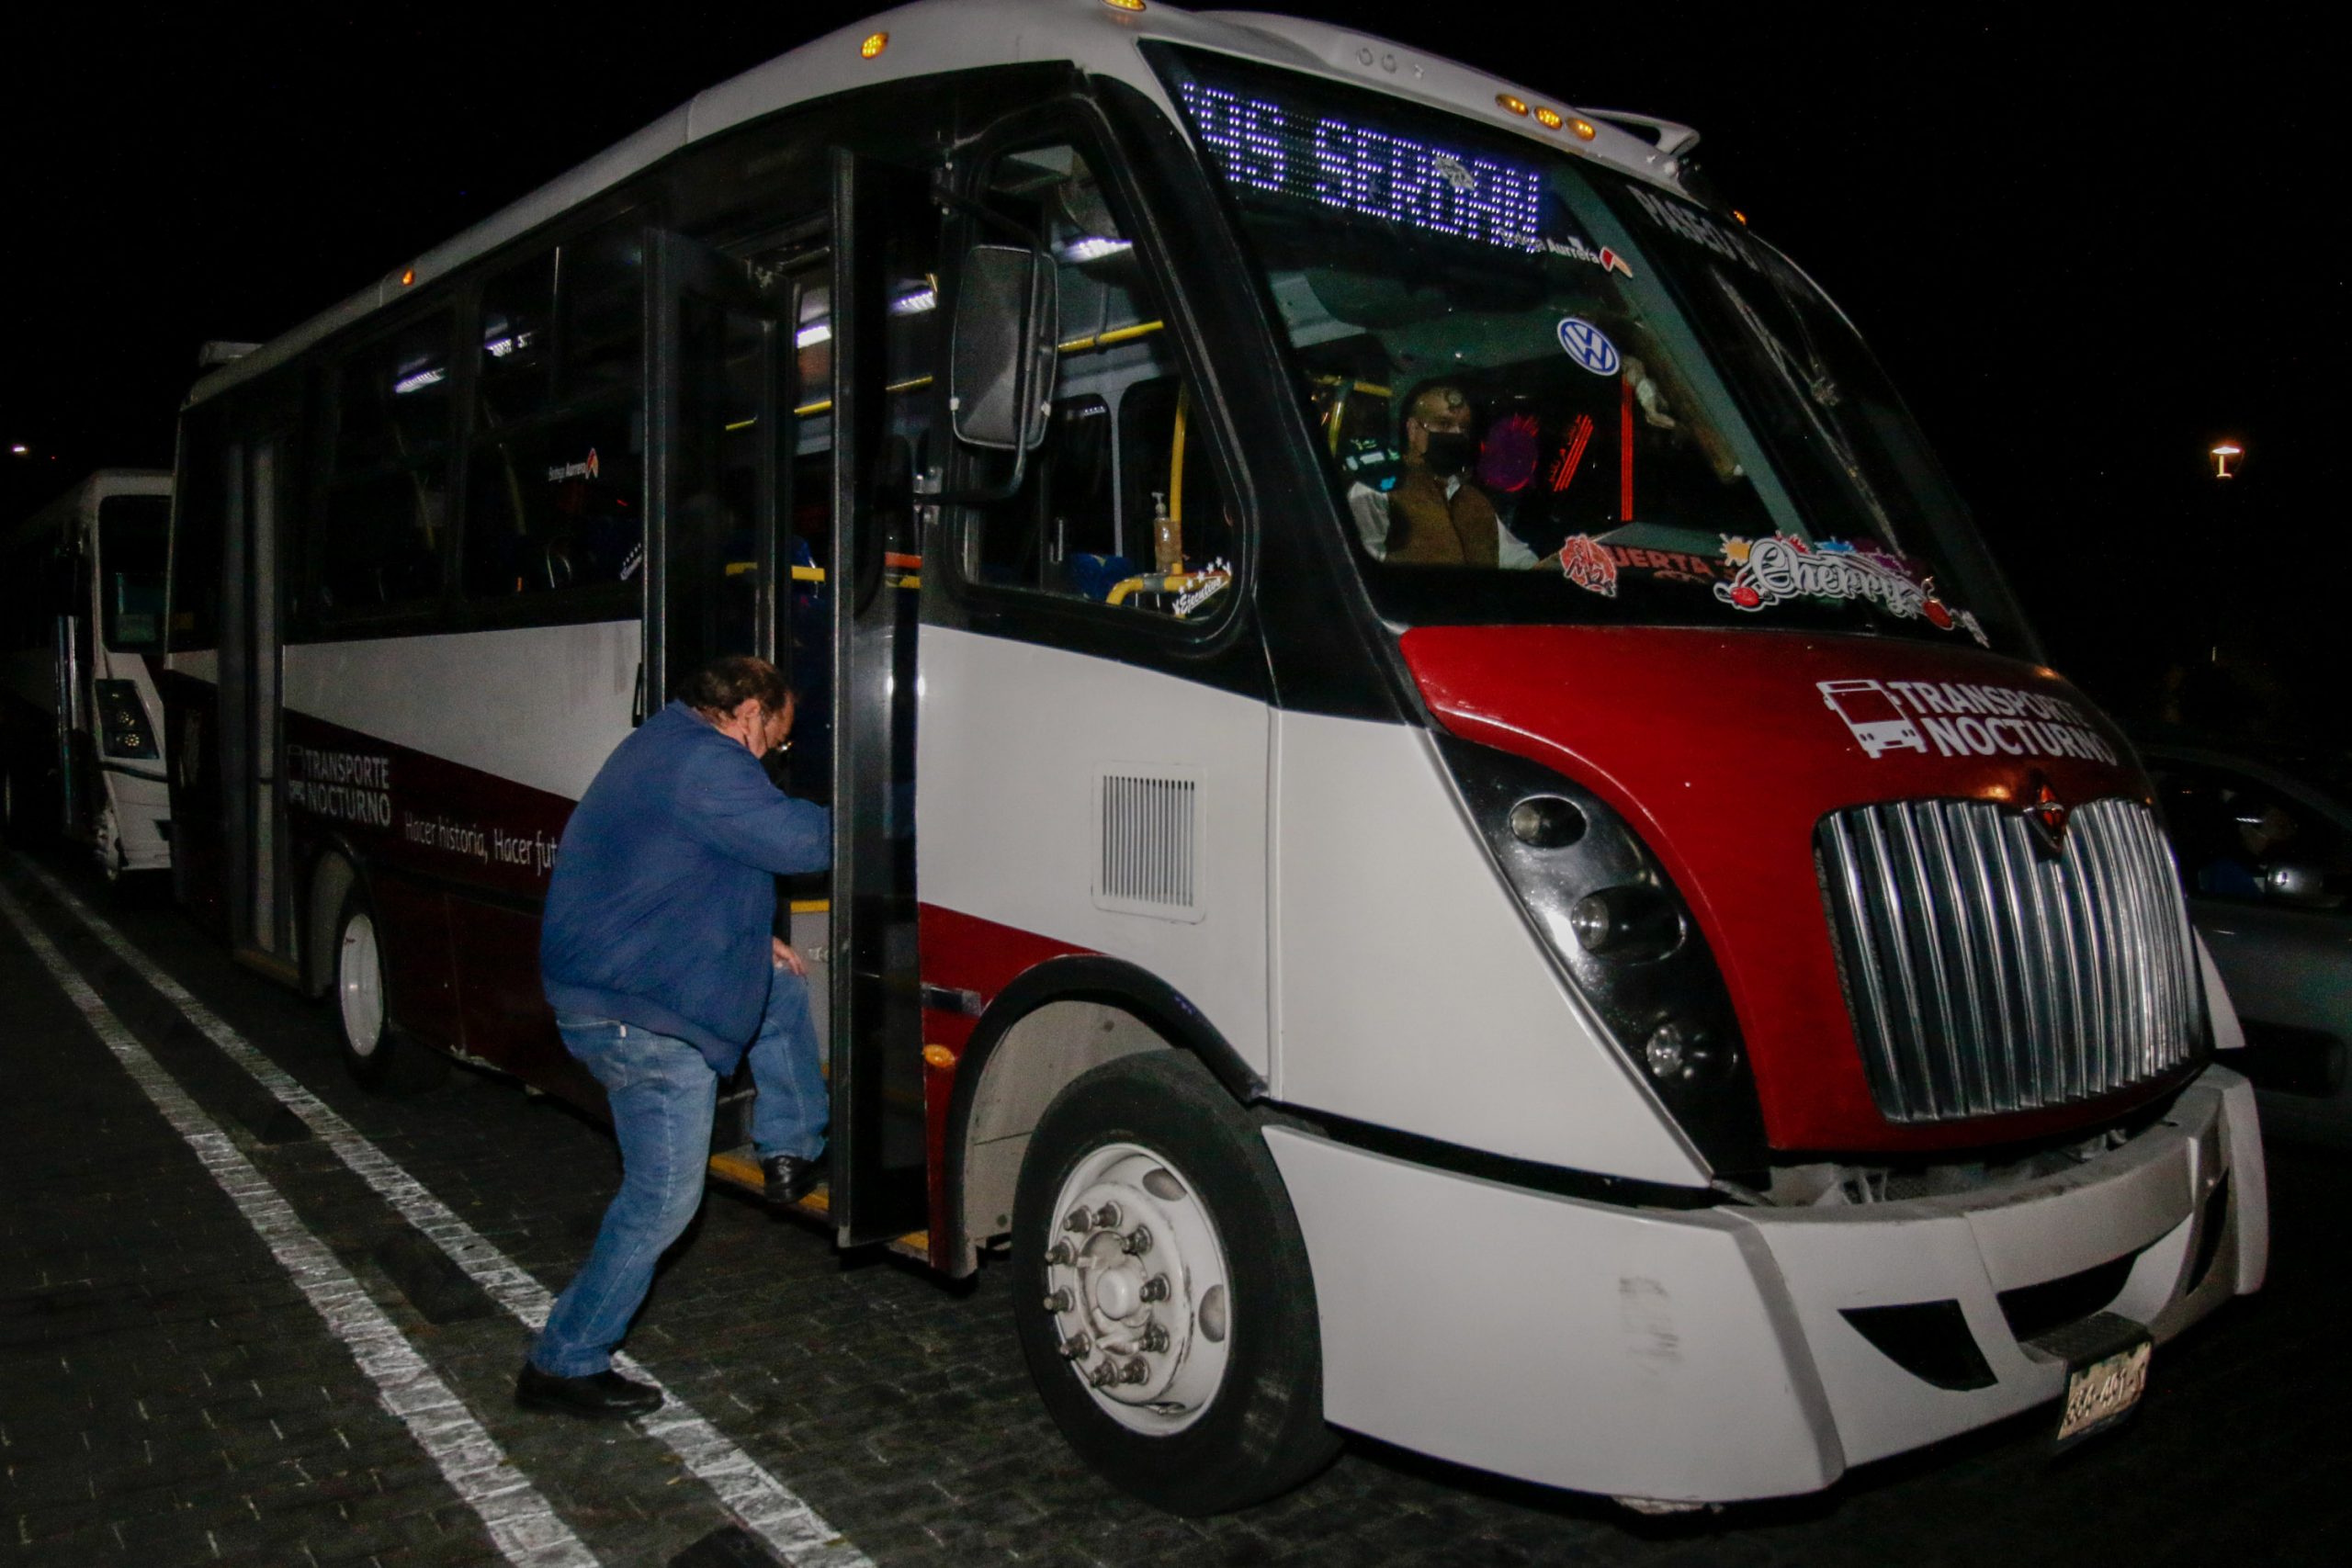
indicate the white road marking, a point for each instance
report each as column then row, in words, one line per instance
column 761, row 1503
column 521, row 1524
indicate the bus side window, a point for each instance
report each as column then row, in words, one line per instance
column 387, row 500
column 1120, row 505
column 554, row 479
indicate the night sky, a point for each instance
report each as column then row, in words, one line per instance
column 2087, row 252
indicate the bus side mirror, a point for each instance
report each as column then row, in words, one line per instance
column 1000, row 356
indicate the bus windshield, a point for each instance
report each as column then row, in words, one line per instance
column 1549, row 392
column 133, row 536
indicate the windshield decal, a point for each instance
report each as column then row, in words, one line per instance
column 1589, row 345
column 1783, row 567
column 1588, row 563
column 1604, row 258
column 1958, row 718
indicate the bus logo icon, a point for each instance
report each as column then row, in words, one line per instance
column 1870, row 711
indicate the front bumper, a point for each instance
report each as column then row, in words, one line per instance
column 1706, row 1356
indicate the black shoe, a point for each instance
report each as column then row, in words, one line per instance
column 603, row 1396
column 790, row 1178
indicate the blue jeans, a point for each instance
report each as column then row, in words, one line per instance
column 662, row 1095
column 790, row 1113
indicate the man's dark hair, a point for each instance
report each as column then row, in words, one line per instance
column 721, row 686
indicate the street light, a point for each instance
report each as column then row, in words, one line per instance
column 20, row 450
column 2221, row 455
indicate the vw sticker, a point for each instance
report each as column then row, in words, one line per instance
column 1589, row 345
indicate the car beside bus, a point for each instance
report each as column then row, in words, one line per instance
column 1673, row 1004
column 82, row 582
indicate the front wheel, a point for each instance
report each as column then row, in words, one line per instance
column 1167, row 1312
column 374, row 1050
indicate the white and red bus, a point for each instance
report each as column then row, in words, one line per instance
column 1674, row 1002
column 80, row 638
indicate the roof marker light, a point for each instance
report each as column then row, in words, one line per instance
column 1584, row 130
column 1549, row 119
column 408, row 275
column 1736, row 212
column 1125, row 5
column 875, row 44
column 1516, row 105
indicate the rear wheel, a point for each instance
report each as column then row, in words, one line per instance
column 375, row 1051
column 1165, row 1305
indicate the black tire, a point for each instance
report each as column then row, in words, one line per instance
column 380, row 1057
column 1235, row 1384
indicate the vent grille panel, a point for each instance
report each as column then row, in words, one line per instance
column 1985, row 977
column 1149, row 828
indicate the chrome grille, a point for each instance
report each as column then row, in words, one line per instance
column 1985, row 976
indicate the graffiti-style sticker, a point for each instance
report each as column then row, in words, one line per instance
column 1589, row 345
column 1783, row 567
column 1214, row 580
column 1957, row 719
column 1587, row 564
column 1665, row 566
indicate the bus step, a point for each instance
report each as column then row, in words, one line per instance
column 740, row 1170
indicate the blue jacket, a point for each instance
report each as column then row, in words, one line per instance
column 663, row 894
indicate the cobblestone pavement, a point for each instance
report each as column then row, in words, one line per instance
column 174, row 1389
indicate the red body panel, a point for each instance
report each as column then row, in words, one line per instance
column 1724, row 751
column 962, row 952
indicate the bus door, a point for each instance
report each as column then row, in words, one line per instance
column 260, row 910
column 884, row 328
column 77, row 760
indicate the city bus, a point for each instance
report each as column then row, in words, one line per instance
column 1443, row 827
column 81, row 638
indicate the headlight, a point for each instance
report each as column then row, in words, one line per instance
column 1619, row 930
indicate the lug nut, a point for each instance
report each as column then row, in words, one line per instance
column 1134, row 1372
column 1155, row 1339
column 1062, row 1253
column 1102, row 1375
column 1058, row 1302
column 1137, row 1243
column 1156, row 1287
column 1077, row 1221
column 1107, row 1217
column 1076, row 1348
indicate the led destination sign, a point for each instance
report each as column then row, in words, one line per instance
column 1278, row 150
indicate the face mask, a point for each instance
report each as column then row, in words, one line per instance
column 1449, row 452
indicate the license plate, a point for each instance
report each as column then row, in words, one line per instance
column 2102, row 1391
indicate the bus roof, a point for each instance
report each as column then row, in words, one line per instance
column 932, row 37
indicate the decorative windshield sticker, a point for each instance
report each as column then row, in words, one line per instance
column 1589, row 345
column 1957, row 719
column 1212, row 580
column 1604, row 258
column 1782, row 567
column 587, row 469
column 1588, row 565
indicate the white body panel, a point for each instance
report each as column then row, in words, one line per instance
column 1458, row 1029
column 1014, row 739
column 1703, row 1356
column 541, row 706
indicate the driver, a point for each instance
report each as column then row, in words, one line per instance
column 1435, row 516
